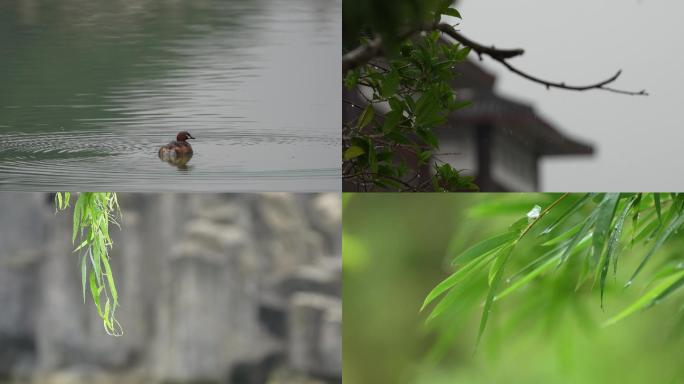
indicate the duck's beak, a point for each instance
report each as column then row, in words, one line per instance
column 190, row 136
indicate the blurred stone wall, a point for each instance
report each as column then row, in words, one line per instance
column 213, row 289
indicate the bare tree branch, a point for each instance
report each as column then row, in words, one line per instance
column 549, row 84
column 480, row 49
column 367, row 52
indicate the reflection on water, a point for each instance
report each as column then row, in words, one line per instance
column 180, row 162
column 90, row 91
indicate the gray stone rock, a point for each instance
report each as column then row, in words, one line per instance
column 211, row 287
column 315, row 344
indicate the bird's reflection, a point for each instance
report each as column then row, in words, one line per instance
column 178, row 161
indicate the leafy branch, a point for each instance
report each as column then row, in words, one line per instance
column 367, row 52
column 93, row 212
column 593, row 243
column 387, row 152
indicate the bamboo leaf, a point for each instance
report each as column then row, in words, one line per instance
column 648, row 298
column 574, row 208
column 541, row 268
column 674, row 225
column 494, row 286
column 605, row 213
column 581, row 233
column 485, row 246
column 568, row 234
column 455, row 278
column 612, row 245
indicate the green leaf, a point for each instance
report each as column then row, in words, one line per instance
column 574, row 208
column 451, row 12
column 674, row 225
column 372, row 159
column 541, row 268
column 429, row 138
column 80, row 246
column 604, row 218
column 648, row 298
column 457, row 277
column 567, row 234
column 612, row 245
column 366, row 116
column 95, row 256
column 390, row 85
column 352, row 78
column 462, row 54
column 584, row 229
column 504, row 255
column 78, row 215
column 353, row 152
column 392, row 119
column 95, row 292
column 460, row 104
column 84, row 267
column 484, row 247
column 105, row 316
column 110, row 280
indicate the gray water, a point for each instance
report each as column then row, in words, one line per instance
column 89, row 90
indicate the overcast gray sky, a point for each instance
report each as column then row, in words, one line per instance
column 639, row 140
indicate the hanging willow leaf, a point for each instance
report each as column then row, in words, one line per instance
column 92, row 214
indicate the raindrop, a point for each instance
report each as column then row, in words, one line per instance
column 534, row 213
column 628, row 284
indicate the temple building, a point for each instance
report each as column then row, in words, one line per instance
column 498, row 140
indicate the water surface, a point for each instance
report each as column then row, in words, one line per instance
column 89, row 90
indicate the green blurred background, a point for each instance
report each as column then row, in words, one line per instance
column 396, row 248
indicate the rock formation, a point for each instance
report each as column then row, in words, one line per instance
column 213, row 289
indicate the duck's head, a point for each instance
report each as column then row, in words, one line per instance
column 182, row 136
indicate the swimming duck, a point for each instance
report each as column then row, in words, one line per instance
column 178, row 148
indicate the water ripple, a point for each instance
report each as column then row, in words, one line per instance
column 88, row 96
